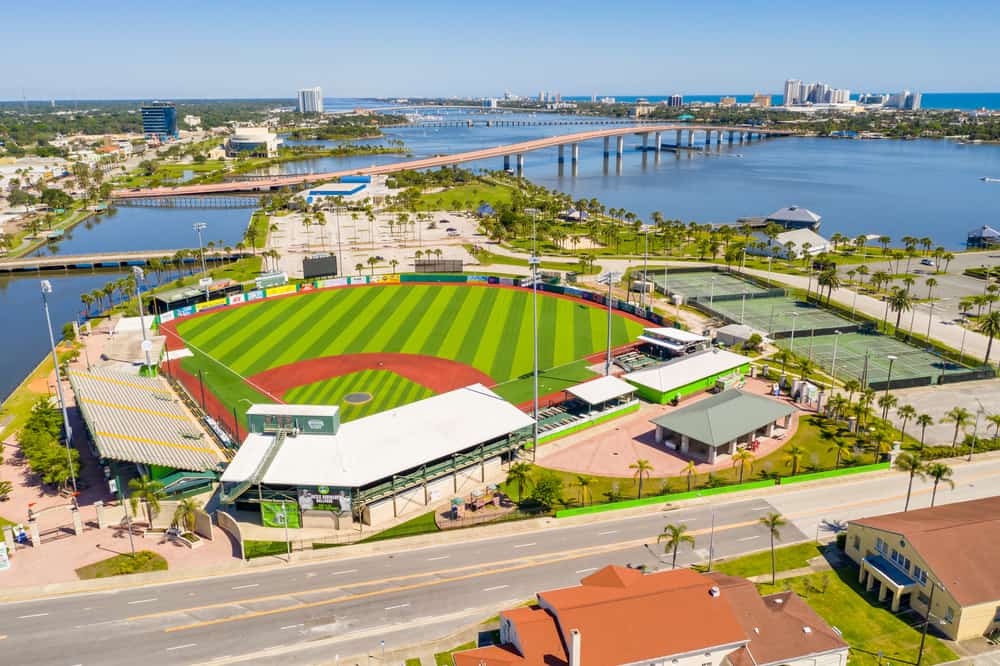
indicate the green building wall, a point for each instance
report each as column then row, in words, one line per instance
column 662, row 397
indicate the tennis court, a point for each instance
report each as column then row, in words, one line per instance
column 777, row 315
column 702, row 285
column 854, row 348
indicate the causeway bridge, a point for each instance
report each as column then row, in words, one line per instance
column 651, row 135
column 107, row 260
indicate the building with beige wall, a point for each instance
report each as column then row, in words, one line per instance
column 944, row 557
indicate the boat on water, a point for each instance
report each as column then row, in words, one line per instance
column 987, row 179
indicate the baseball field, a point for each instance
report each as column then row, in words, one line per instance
column 384, row 346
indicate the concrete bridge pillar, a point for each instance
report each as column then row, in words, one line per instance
column 730, row 137
column 562, row 153
column 645, row 141
column 575, row 155
column 506, row 162
column 520, row 163
column 620, row 147
column 658, row 142
column 708, row 138
column 690, row 138
column 677, row 141
column 607, row 146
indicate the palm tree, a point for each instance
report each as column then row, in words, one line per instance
column 773, row 522
column 994, row 420
column 989, row 325
column 186, row 513
column 852, row 386
column 371, row 264
column 930, row 283
column 520, row 474
column 923, row 421
column 689, row 470
column 842, row 448
column 900, row 302
column 393, row 263
column 642, row 469
column 359, row 268
column 793, row 457
column 743, row 458
column 912, row 465
column 939, row 472
column 149, row 491
column 584, row 482
column 887, row 401
column 905, row 412
column 960, row 417
column 674, row 536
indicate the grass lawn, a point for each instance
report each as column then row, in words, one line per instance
column 260, row 223
column 484, row 327
column 487, row 257
column 387, row 389
column 422, row 524
column 444, row 658
column 465, row 197
column 786, row 558
column 252, row 549
column 119, row 565
column 814, row 435
column 868, row 627
column 555, row 379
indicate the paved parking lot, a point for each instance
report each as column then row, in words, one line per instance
column 936, row 400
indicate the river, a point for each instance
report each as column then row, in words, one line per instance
column 919, row 188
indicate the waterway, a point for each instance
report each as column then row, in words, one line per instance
column 919, row 188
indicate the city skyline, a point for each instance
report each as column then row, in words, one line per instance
column 469, row 53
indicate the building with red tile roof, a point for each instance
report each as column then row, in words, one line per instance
column 623, row 616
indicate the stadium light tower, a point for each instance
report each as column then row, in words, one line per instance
column 140, row 275
column 534, row 261
column 608, row 278
column 47, row 289
column 200, row 227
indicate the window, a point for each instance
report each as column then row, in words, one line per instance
column 881, row 546
column 857, row 542
column 901, row 560
column 949, row 614
column 920, row 575
column 923, row 598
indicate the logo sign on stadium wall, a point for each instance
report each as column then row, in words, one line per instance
column 315, row 424
column 166, row 316
column 306, row 286
column 254, row 295
column 277, row 291
column 208, row 305
column 184, row 311
column 477, row 278
column 236, row 299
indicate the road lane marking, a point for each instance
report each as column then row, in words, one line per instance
column 440, row 557
column 141, row 601
column 524, row 545
column 243, row 587
column 587, row 570
column 341, row 573
column 396, row 606
column 495, row 587
column 25, row 617
column 292, row 626
column 749, row 538
column 181, row 647
column 607, row 532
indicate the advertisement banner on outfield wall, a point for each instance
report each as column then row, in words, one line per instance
column 385, row 279
column 278, row 291
column 477, row 278
column 570, row 291
column 332, row 282
column 306, row 286
column 357, row 280
column 184, row 311
column 509, row 282
column 208, row 305
column 254, row 295
column 165, row 317
column 236, row 299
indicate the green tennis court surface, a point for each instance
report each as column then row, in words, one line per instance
column 853, row 348
column 703, row 285
column 780, row 314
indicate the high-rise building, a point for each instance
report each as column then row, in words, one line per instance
column 311, row 100
column 727, row 101
column 904, row 100
column 760, row 101
column 541, row 96
column 675, row 100
column 558, row 97
column 798, row 93
column 159, row 120
column 793, row 92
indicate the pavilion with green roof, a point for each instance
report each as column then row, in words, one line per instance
column 718, row 424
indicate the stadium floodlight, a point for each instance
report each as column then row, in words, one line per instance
column 833, row 364
column 46, row 288
column 795, row 318
column 140, row 275
column 609, row 279
column 888, row 379
column 534, row 262
column 200, row 227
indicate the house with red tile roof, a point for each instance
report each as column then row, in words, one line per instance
column 620, row 616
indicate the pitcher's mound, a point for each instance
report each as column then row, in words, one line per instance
column 358, row 398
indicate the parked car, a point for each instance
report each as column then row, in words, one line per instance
column 927, row 262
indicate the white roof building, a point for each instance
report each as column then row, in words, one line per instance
column 376, row 447
column 601, row 390
column 674, row 339
column 687, row 370
column 798, row 239
column 794, row 217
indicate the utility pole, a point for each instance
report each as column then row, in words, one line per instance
column 534, row 261
column 927, row 621
column 47, row 289
column 139, row 275
column 610, row 277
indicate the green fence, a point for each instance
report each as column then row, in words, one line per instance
column 843, row 471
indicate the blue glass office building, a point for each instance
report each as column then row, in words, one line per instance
column 159, row 119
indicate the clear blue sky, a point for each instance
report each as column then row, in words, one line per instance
column 224, row 48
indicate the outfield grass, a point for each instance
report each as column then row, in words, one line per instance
column 786, row 559
column 388, row 390
column 484, row 327
column 554, row 379
column 870, row 628
column 120, row 565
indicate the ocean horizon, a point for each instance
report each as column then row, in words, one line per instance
column 963, row 101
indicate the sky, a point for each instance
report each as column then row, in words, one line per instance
column 60, row 49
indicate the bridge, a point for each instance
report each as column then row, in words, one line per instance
column 106, row 260
column 731, row 134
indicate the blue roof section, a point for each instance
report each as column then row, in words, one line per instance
column 485, row 209
column 891, row 571
column 356, row 179
column 336, row 193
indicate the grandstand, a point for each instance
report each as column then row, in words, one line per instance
column 140, row 420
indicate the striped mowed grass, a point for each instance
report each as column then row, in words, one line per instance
column 387, row 390
column 487, row 328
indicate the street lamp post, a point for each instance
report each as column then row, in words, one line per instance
column 961, row 351
column 47, row 289
column 795, row 318
column 975, row 430
column 743, row 307
column 888, row 379
column 139, row 276
column 711, row 293
column 284, row 519
column 645, row 257
column 833, row 363
column 200, row 227
column 610, row 277
column 927, row 621
column 534, row 261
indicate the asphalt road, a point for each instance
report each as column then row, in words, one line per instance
column 314, row 613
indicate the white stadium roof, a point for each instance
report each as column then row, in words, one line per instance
column 678, row 334
column 601, row 390
column 377, row 446
column 686, row 370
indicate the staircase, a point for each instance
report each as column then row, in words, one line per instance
column 258, row 474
